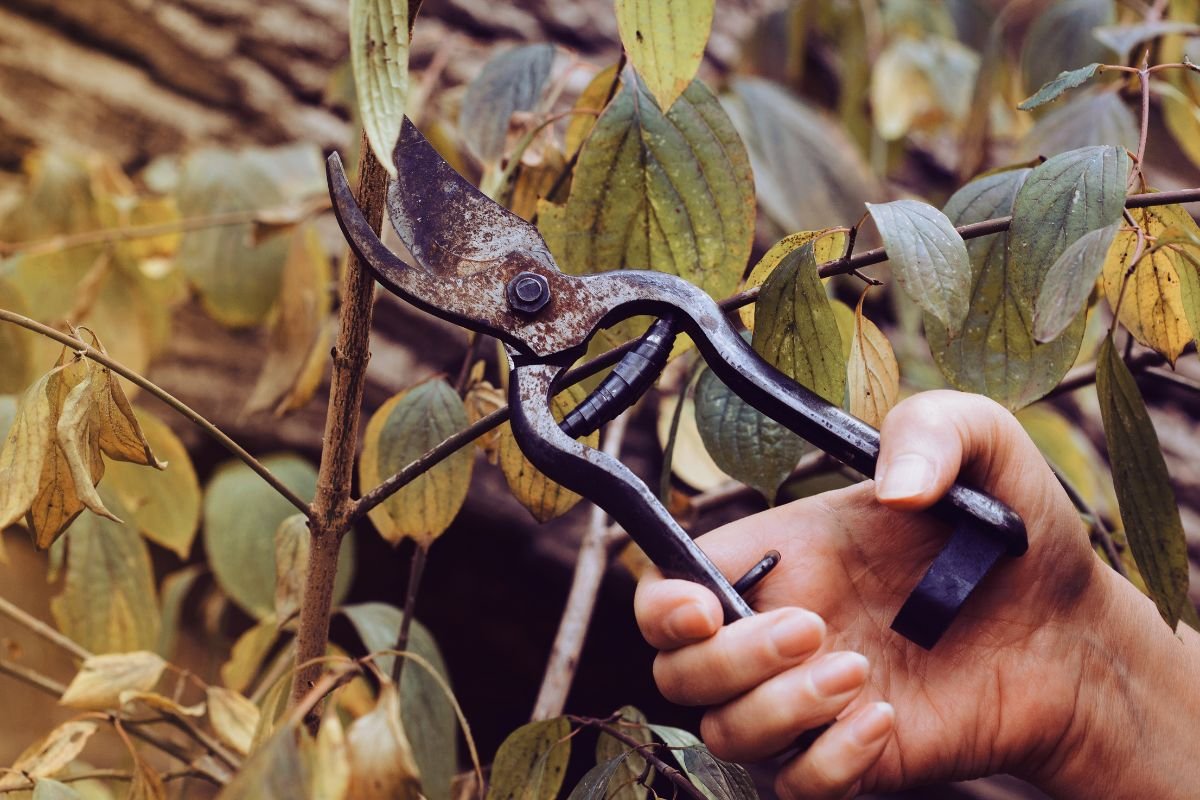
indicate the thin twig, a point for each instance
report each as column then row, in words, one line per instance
column 34, row 678
column 22, row 617
column 110, row 775
column 154, row 389
column 590, row 566
column 1085, row 375
column 1143, row 75
column 680, row 781
column 1100, row 531
column 416, row 569
column 815, row 463
column 1173, row 378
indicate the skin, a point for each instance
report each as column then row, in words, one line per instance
column 1056, row 670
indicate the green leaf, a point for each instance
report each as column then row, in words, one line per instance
column 1065, row 80
column 747, row 444
column 1070, row 281
column 1121, row 39
column 808, row 172
column 241, row 515
column 509, row 82
column 379, row 60
column 996, row 354
column 669, row 192
column 795, row 328
column 717, row 779
column 163, row 504
column 1144, row 494
column 238, row 281
column 1060, row 39
column 622, row 782
column 797, row 332
column 665, row 42
column 173, row 592
column 108, row 603
column 928, row 257
column 403, row 429
column 595, row 783
column 275, row 771
column 1094, row 116
column 424, row 707
column 532, row 762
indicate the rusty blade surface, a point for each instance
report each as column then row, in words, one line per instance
column 450, row 227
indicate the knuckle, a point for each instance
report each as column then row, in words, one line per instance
column 666, row 677
column 714, row 730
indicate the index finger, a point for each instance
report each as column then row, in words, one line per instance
column 672, row 613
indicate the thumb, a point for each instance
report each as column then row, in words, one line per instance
column 932, row 439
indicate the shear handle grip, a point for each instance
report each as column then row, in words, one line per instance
column 842, row 435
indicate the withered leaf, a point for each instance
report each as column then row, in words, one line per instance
column 103, row 678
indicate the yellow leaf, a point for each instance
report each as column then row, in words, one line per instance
column 328, row 760
column 827, row 245
column 921, row 83
column 381, row 759
column 544, row 498
column 873, row 380
column 589, row 104
column 57, row 502
column 146, row 784
column 1070, row 450
column 24, row 451
column 120, row 433
column 403, row 429
column 483, row 399
column 299, row 338
column 292, row 545
column 379, row 58
column 102, row 679
column 248, row 653
column 1153, row 306
column 78, row 434
column 158, row 702
column 50, row 754
column 233, row 717
column 665, row 40
column 164, row 504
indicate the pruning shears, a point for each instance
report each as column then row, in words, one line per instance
column 480, row 266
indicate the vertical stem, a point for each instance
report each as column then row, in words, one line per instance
column 329, row 520
column 415, row 570
column 590, row 567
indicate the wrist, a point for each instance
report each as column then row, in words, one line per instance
column 1136, row 708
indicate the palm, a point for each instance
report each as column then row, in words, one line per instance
column 853, row 561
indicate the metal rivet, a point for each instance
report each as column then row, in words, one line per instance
column 528, row 292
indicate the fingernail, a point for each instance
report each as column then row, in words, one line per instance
column 838, row 673
column 797, row 633
column 687, row 622
column 872, row 723
column 905, row 476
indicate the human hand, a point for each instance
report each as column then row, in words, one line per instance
column 1009, row 688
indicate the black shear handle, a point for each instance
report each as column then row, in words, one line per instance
column 611, row 485
column 842, row 435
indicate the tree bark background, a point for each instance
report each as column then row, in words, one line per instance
column 137, row 79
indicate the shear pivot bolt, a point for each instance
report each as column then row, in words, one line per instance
column 528, row 293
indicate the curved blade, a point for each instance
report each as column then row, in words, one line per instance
column 450, row 227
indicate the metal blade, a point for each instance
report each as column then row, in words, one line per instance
column 450, row 227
